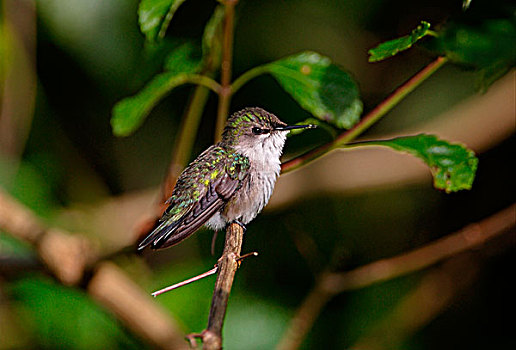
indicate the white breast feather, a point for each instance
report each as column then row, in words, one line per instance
column 265, row 167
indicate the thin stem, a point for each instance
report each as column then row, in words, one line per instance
column 226, row 66
column 250, row 74
column 222, row 113
column 186, row 138
column 185, row 282
column 168, row 17
column 372, row 117
column 205, row 81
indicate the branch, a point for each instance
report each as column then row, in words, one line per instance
column 225, row 69
column 332, row 283
column 228, row 264
column 372, row 117
column 70, row 258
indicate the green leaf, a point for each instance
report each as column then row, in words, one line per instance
column 211, row 39
column 180, row 65
column 453, row 166
column 185, row 58
column 392, row 47
column 480, row 46
column 488, row 46
column 320, row 87
column 155, row 15
column 129, row 114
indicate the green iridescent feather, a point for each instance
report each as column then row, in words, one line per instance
column 195, row 180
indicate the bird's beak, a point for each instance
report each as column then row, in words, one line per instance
column 290, row 127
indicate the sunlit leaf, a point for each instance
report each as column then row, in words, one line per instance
column 320, row 87
column 130, row 113
column 453, row 166
column 392, row 47
column 155, row 16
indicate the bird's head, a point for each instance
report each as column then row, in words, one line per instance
column 256, row 130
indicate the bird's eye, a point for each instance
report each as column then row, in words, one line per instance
column 259, row 131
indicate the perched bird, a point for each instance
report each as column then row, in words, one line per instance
column 229, row 182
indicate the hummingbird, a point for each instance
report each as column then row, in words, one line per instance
column 231, row 181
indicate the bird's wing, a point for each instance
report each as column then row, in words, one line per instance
column 219, row 187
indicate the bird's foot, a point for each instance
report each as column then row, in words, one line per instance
column 240, row 224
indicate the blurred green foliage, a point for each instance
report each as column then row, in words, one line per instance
column 155, row 16
column 64, row 318
column 487, row 46
column 91, row 54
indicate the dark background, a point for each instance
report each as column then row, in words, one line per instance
column 90, row 54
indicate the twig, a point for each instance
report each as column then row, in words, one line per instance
column 228, row 264
column 185, row 282
column 70, row 258
column 372, row 117
column 198, row 277
column 332, row 283
column 245, row 256
column 226, row 65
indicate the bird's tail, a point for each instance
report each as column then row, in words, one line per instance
column 158, row 236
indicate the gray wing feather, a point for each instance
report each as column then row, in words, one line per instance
column 168, row 234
